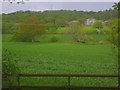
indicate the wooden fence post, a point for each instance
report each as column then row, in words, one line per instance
column 18, row 82
column 69, row 83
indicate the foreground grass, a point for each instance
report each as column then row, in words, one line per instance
column 59, row 58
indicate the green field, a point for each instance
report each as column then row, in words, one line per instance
column 64, row 58
column 62, row 38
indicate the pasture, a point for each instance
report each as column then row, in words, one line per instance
column 64, row 58
column 62, row 38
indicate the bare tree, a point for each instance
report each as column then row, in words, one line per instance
column 16, row 1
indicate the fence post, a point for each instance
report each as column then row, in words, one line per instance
column 69, row 83
column 18, row 81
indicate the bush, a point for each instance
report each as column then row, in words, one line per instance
column 54, row 39
column 9, row 68
column 77, row 33
column 29, row 29
column 98, row 25
column 88, row 30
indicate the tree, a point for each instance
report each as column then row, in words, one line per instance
column 116, row 6
column 98, row 25
column 29, row 29
column 51, row 27
column 77, row 33
column 114, row 24
column 17, row 1
column 61, row 22
column 51, row 19
column 82, row 21
column 114, row 33
column 7, row 27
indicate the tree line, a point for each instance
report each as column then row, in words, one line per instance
column 27, row 24
column 54, row 17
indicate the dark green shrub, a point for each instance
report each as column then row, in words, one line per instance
column 54, row 39
column 9, row 68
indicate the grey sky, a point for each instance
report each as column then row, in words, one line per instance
column 41, row 6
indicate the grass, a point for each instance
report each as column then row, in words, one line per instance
column 62, row 38
column 64, row 30
column 64, row 58
column 7, row 37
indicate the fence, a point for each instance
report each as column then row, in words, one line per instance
column 68, row 86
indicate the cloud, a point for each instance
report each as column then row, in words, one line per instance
column 74, row 0
column 41, row 6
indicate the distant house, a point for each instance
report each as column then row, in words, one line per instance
column 105, row 22
column 73, row 22
column 90, row 21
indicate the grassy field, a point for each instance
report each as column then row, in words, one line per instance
column 64, row 58
column 62, row 38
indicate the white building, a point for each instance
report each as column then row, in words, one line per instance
column 90, row 21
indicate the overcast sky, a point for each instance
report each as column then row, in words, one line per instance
column 41, row 6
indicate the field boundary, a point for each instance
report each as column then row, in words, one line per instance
column 68, row 86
